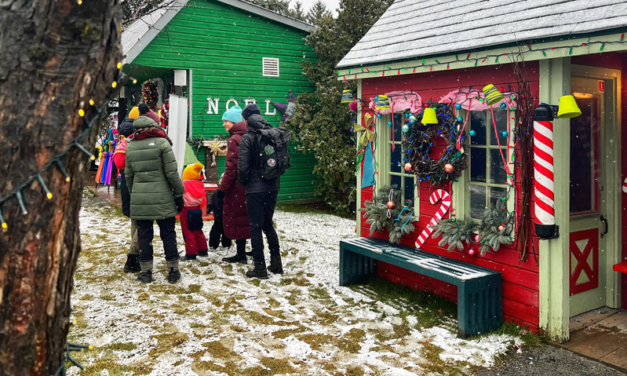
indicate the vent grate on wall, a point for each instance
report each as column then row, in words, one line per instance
column 270, row 67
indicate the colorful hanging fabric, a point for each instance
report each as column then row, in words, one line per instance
column 367, row 135
column 367, row 178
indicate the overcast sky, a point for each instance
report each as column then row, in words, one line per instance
column 331, row 4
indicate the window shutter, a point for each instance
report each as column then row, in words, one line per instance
column 270, row 67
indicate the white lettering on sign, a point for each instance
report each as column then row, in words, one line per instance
column 231, row 101
column 273, row 113
column 213, row 106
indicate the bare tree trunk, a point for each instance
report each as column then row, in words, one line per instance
column 54, row 57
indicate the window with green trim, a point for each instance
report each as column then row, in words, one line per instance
column 487, row 178
column 398, row 176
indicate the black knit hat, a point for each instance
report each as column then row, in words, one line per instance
column 126, row 128
column 250, row 110
column 143, row 108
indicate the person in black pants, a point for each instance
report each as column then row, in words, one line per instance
column 261, row 197
column 217, row 235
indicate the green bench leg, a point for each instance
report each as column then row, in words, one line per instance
column 479, row 307
column 355, row 268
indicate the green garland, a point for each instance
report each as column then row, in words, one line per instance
column 399, row 220
column 418, row 141
column 495, row 230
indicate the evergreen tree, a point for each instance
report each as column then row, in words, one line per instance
column 322, row 124
column 316, row 12
column 279, row 6
column 298, row 12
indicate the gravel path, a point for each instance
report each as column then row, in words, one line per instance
column 549, row 361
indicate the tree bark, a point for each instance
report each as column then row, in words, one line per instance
column 54, row 57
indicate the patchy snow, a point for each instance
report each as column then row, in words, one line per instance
column 215, row 321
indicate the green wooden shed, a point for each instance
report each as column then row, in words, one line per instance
column 218, row 53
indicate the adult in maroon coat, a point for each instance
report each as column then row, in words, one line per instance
column 236, row 224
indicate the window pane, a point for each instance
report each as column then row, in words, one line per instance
column 501, row 126
column 477, row 124
column 395, row 181
column 584, row 158
column 497, row 174
column 395, row 163
column 497, row 194
column 478, row 165
column 409, row 189
column 477, row 201
column 398, row 127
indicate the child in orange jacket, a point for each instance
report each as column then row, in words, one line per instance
column 191, row 216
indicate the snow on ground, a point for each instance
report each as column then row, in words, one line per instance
column 218, row 322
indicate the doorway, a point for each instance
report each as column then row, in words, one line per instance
column 594, row 204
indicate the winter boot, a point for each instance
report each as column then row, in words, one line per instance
column 145, row 277
column 174, row 275
column 132, row 264
column 190, row 257
column 259, row 271
column 203, row 254
column 276, row 266
column 242, row 259
column 249, row 253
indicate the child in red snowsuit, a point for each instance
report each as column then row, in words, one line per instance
column 191, row 216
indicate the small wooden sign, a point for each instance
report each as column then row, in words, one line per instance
column 601, row 86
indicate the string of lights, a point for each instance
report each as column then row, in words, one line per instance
column 478, row 60
column 89, row 116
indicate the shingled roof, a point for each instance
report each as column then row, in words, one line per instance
column 412, row 29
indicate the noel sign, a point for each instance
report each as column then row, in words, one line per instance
column 214, row 104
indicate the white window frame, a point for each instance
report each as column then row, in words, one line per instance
column 383, row 157
column 461, row 202
column 270, row 60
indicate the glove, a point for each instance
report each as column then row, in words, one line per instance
column 221, row 194
column 179, row 203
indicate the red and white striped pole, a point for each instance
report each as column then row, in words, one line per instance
column 544, row 172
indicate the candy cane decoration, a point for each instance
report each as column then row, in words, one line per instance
column 436, row 196
column 544, row 186
column 625, row 186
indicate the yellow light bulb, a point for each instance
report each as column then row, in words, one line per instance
column 49, row 195
column 5, row 226
column 119, row 65
column 114, row 84
column 93, row 157
column 134, row 81
column 74, row 322
column 67, row 179
column 80, row 2
column 91, row 347
column 91, row 102
column 81, row 112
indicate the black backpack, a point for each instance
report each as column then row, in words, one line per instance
column 273, row 153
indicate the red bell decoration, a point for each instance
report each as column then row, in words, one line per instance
column 391, row 205
column 408, row 167
column 449, row 168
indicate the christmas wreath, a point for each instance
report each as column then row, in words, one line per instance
column 495, row 230
column 418, row 139
column 150, row 94
column 387, row 211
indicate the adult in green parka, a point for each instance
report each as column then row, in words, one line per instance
column 156, row 194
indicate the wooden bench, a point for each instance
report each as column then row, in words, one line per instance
column 479, row 294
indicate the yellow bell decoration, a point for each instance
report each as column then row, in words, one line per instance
column 429, row 116
column 492, row 95
column 383, row 102
column 568, row 107
column 347, row 96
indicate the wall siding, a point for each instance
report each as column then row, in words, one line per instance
column 520, row 279
column 224, row 47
